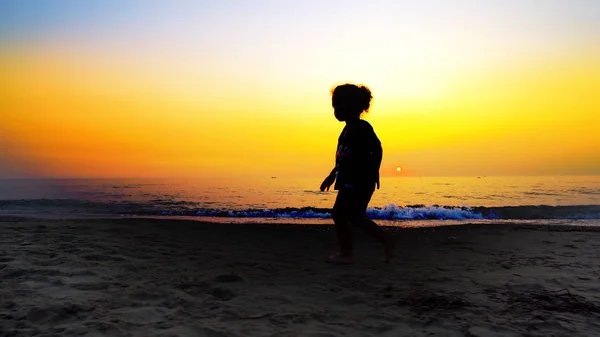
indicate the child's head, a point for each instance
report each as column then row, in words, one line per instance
column 349, row 101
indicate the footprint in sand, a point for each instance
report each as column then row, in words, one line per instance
column 482, row 331
column 195, row 331
column 102, row 258
column 68, row 248
column 91, row 286
column 144, row 296
column 227, row 278
column 58, row 314
column 49, row 262
column 142, row 315
column 221, row 293
column 13, row 273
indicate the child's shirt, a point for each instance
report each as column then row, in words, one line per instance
column 358, row 156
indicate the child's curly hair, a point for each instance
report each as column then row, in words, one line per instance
column 352, row 97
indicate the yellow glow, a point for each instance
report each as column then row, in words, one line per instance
column 72, row 119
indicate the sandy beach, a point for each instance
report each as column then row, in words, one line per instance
column 142, row 277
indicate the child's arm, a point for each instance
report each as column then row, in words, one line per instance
column 377, row 156
column 333, row 172
column 329, row 180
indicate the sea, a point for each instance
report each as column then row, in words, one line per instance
column 401, row 201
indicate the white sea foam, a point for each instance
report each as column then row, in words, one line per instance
column 393, row 211
column 389, row 212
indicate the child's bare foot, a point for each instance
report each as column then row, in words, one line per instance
column 338, row 258
column 389, row 245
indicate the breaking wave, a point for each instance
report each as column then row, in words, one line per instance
column 389, row 212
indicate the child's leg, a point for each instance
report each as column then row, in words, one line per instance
column 350, row 207
column 341, row 218
column 362, row 199
column 377, row 232
column 370, row 227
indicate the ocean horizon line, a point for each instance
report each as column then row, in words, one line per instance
column 302, row 176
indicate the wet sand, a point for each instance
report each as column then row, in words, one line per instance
column 141, row 277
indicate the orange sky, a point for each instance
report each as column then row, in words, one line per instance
column 86, row 106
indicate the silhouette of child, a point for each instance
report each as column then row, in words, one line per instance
column 356, row 172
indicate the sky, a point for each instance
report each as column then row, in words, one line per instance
column 242, row 88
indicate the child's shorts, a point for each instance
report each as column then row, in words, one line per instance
column 352, row 201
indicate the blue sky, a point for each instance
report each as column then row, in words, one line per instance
column 527, row 19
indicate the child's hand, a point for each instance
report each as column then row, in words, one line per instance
column 327, row 182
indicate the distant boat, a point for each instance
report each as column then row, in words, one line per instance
column 273, row 177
